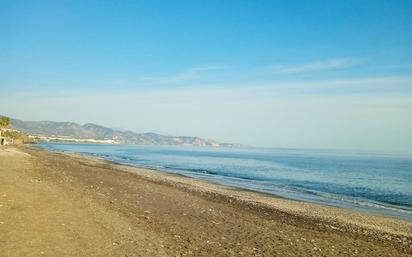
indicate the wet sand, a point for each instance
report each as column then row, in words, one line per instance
column 55, row 204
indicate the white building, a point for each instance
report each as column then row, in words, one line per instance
column 4, row 140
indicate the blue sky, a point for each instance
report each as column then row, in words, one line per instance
column 322, row 74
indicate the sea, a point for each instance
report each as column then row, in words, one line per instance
column 375, row 183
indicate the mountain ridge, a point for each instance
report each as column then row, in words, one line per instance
column 71, row 131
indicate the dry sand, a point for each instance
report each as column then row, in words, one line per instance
column 54, row 204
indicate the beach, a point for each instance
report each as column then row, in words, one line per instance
column 61, row 204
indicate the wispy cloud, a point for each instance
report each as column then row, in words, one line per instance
column 328, row 64
column 191, row 74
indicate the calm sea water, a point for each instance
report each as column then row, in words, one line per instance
column 368, row 182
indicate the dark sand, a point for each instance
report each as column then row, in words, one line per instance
column 54, row 204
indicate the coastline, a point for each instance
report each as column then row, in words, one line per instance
column 232, row 214
column 308, row 176
column 316, row 211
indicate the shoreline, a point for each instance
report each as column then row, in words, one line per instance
column 232, row 213
column 337, row 218
column 363, row 205
column 254, row 198
column 237, row 188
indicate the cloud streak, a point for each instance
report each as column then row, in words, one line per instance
column 329, row 64
column 191, row 74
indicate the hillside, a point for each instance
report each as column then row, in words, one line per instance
column 64, row 130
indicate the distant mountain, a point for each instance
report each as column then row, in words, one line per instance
column 69, row 131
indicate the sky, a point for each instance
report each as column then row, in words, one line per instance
column 296, row 74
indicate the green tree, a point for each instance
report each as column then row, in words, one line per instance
column 5, row 121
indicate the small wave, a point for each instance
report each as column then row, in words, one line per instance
column 201, row 171
column 128, row 158
column 359, row 202
column 377, row 205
